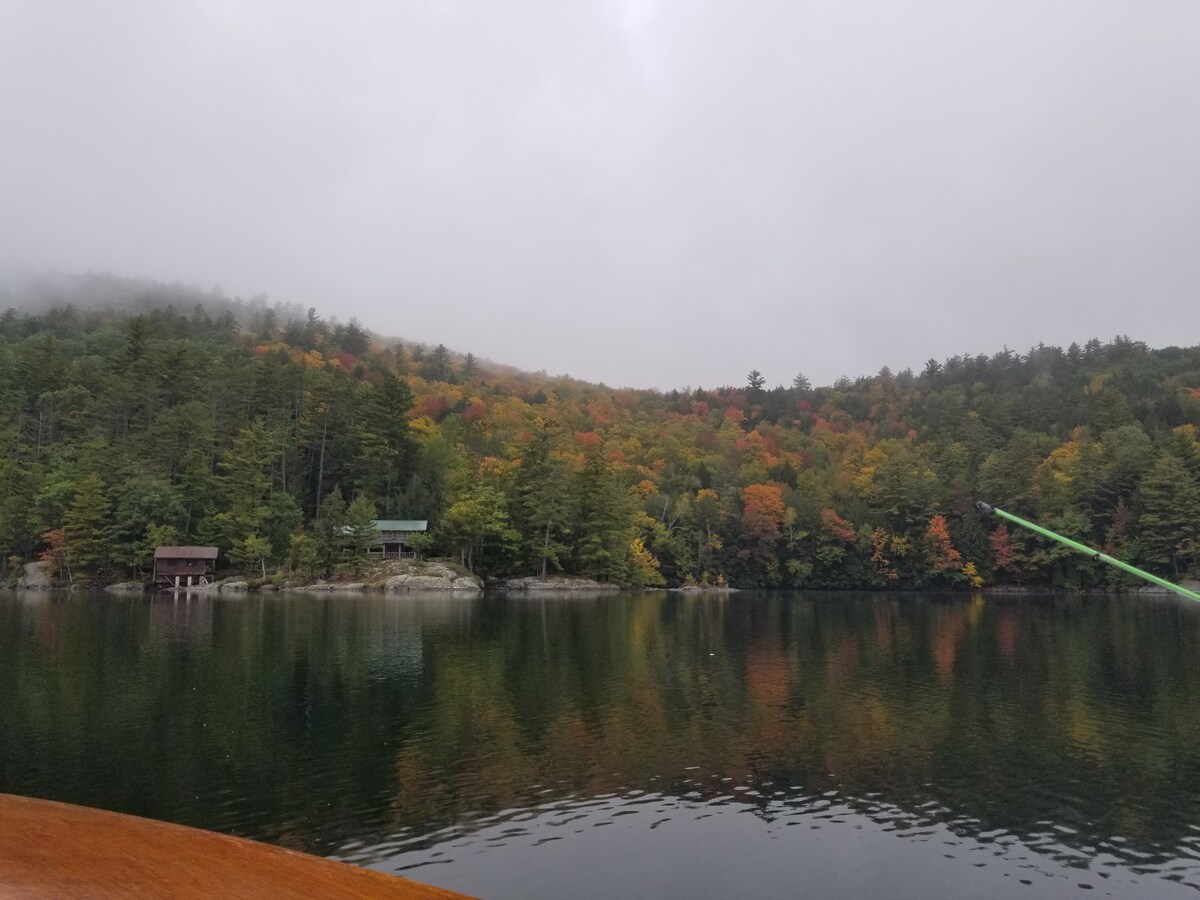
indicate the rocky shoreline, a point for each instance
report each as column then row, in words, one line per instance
column 390, row 577
column 400, row 577
column 443, row 576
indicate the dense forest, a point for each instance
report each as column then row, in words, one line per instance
column 151, row 415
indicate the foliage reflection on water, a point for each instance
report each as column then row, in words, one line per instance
column 1059, row 735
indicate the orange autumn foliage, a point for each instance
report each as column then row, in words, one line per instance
column 835, row 526
column 945, row 557
column 764, row 500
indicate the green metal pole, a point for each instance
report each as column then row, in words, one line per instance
column 1088, row 551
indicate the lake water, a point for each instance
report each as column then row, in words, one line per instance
column 641, row 745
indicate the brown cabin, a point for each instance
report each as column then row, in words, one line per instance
column 392, row 537
column 184, row 566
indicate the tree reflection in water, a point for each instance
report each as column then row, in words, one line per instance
column 1063, row 733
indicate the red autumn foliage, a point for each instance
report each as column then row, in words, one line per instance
column 433, row 406
column 346, row 360
column 835, row 526
column 56, row 542
column 1003, row 553
column 476, row 411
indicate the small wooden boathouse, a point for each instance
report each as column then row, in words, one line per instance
column 184, row 566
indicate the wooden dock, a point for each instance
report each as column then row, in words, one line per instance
column 55, row 850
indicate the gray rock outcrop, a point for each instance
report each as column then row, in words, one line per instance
column 126, row 587
column 433, row 577
column 35, row 576
column 558, row 583
column 336, row 587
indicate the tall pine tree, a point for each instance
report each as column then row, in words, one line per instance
column 87, row 528
column 1169, row 526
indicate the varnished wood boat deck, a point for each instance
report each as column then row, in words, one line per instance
column 54, row 850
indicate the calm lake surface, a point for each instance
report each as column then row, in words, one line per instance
column 645, row 745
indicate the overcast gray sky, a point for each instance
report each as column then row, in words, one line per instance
column 645, row 192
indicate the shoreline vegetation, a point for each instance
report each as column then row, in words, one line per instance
column 136, row 415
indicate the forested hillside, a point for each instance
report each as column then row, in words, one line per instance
column 275, row 437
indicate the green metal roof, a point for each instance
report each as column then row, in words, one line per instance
column 401, row 524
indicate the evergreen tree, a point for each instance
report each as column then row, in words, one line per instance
column 603, row 522
column 156, row 536
column 87, row 526
column 1059, row 565
column 18, row 485
column 329, row 536
column 268, row 331
column 438, row 367
column 244, row 484
column 387, row 448
column 143, row 503
column 359, row 526
column 355, row 340
column 314, row 330
column 470, row 367
column 544, row 506
column 280, row 520
column 1169, row 524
